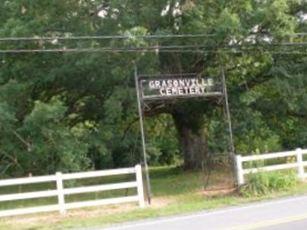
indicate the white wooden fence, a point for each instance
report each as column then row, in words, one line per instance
column 60, row 191
column 299, row 163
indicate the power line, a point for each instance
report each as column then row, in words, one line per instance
column 120, row 37
column 105, row 49
column 107, row 37
column 166, row 48
column 157, row 48
column 144, row 50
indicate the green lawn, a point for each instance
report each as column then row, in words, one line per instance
column 174, row 192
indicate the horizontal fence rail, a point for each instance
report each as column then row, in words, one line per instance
column 60, row 192
column 299, row 163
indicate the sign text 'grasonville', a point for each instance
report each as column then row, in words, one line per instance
column 182, row 86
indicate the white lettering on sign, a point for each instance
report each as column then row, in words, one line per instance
column 151, row 84
column 185, row 86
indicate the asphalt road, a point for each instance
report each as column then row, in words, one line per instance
column 290, row 225
column 284, row 214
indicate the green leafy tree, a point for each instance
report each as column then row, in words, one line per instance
column 78, row 110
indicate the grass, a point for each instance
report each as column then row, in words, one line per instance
column 174, row 192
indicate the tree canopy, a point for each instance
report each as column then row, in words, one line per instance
column 71, row 111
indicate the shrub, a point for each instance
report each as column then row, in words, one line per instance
column 263, row 183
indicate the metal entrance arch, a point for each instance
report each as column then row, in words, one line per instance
column 165, row 87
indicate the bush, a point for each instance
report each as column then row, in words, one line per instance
column 263, row 183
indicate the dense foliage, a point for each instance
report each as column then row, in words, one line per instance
column 74, row 111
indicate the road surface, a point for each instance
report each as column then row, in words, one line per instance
column 284, row 214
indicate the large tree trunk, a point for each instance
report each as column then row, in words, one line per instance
column 192, row 139
column 188, row 116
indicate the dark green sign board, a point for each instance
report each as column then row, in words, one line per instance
column 180, row 86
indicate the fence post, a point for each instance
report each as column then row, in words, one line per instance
column 139, row 180
column 240, row 174
column 300, row 165
column 61, row 199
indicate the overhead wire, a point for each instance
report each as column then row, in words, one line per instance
column 111, row 49
column 197, row 48
column 107, row 37
column 236, row 48
column 146, row 51
column 169, row 48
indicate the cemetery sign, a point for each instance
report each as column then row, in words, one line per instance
column 178, row 86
